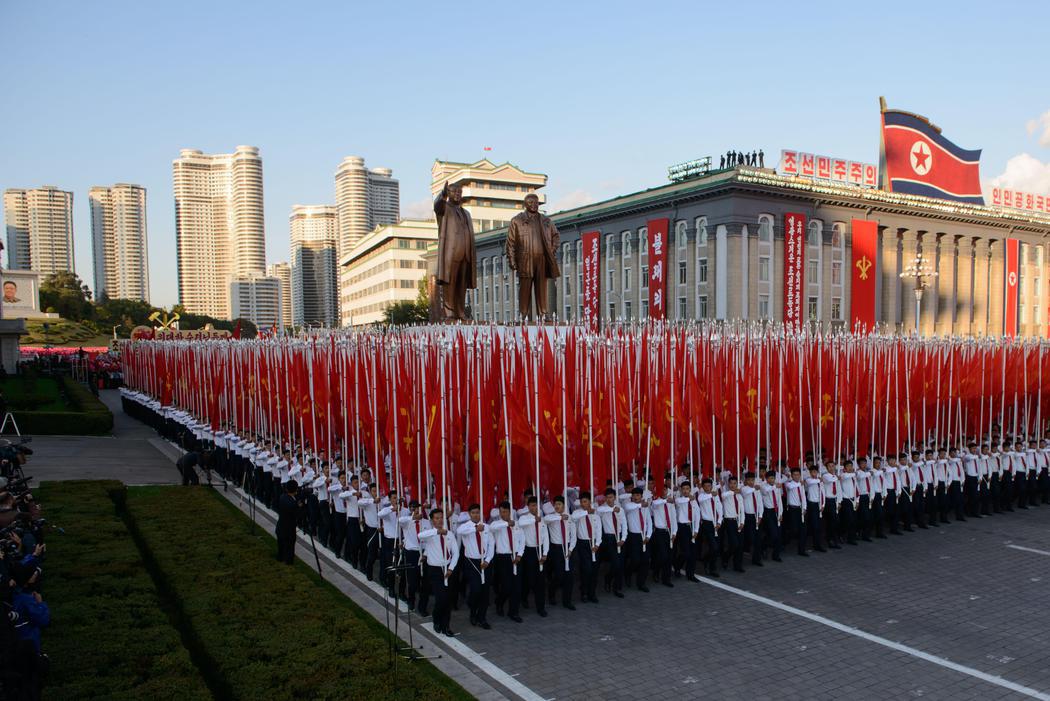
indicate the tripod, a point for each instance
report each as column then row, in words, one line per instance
column 9, row 417
column 408, row 652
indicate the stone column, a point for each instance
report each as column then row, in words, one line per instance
column 889, row 268
column 996, row 271
column 909, row 251
column 946, row 280
column 981, row 290
column 964, row 286
column 931, row 297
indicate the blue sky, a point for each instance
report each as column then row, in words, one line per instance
column 602, row 96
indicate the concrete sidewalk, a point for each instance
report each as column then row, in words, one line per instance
column 134, row 454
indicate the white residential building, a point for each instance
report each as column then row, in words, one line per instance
column 315, row 279
column 257, row 298
column 118, row 241
column 39, row 225
column 283, row 272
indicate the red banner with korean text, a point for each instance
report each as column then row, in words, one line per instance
column 592, row 278
column 1013, row 251
column 657, row 267
column 865, row 252
column 794, row 259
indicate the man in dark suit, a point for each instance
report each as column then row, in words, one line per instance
column 287, row 515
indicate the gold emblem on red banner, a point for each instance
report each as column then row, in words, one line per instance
column 864, row 265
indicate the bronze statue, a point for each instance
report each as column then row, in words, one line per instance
column 456, row 269
column 532, row 241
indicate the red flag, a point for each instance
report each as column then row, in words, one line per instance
column 865, row 253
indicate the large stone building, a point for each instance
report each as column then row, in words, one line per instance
column 492, row 193
column 315, row 273
column 118, row 241
column 218, row 225
column 385, row 267
column 39, row 225
column 726, row 255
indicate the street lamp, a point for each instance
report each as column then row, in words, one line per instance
column 923, row 273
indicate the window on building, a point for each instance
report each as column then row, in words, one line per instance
column 682, row 309
column 627, row 311
column 612, row 281
column 568, row 312
column 701, row 231
column 612, row 310
column 836, row 309
column 701, row 307
column 763, row 306
column 625, row 237
column 682, row 273
column 701, row 270
column 763, row 269
column 812, row 309
column 765, row 229
column 645, row 309
column 643, row 240
column 608, row 246
column 645, row 277
column 626, row 279
column 836, row 273
column 812, row 272
column 679, row 234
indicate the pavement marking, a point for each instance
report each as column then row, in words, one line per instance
column 1030, row 550
column 899, row 647
column 508, row 681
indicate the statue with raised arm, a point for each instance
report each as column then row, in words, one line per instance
column 532, row 241
column 456, row 269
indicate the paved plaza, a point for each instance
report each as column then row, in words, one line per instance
column 950, row 613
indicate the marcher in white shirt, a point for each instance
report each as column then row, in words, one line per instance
column 687, row 513
column 639, row 531
column 614, row 538
column 510, row 548
column 478, row 551
column 588, row 541
column 441, row 552
column 537, row 545
column 562, row 535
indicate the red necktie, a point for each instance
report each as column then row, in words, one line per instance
column 690, row 513
column 590, row 535
column 564, row 542
column 538, row 550
column 895, row 481
column 775, row 507
column 417, row 532
column 834, row 489
column 616, row 529
column 754, row 503
column 481, row 555
column 667, row 517
column 510, row 538
column 444, row 553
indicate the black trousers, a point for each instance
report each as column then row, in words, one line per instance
column 732, row 549
column 614, row 559
column 848, row 521
column 587, row 566
column 942, row 502
column 337, row 534
column 904, row 508
column 771, row 532
column 831, row 521
column 1021, row 488
column 660, row 552
column 813, row 524
column 794, row 527
column 918, row 505
column 877, row 515
column 409, row 587
column 561, row 573
column 864, row 516
column 477, row 589
column 508, row 584
column 532, row 580
column 685, row 550
column 1006, row 491
column 973, row 505
column 442, row 609
column 637, row 559
column 371, row 547
column 386, row 560
column 955, row 498
column 708, row 546
column 995, row 492
column 285, row 542
column 1033, row 487
column 1044, row 485
column 751, row 538
column 352, row 548
column 889, row 505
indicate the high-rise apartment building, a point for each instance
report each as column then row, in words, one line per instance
column 315, row 272
column 218, row 225
column 118, row 241
column 364, row 199
column 492, row 193
column 283, row 273
column 257, row 298
column 39, row 226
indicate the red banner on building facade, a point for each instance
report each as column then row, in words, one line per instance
column 592, row 278
column 658, row 267
column 865, row 253
column 794, row 269
column 1013, row 255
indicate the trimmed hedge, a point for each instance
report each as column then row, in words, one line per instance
column 110, row 637
column 87, row 415
column 274, row 632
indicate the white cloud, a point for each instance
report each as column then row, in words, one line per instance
column 1024, row 172
column 1041, row 124
column 420, row 209
column 571, row 200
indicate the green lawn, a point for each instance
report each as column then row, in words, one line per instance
column 31, row 393
column 182, row 583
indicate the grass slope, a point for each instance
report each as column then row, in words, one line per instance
column 110, row 637
column 273, row 631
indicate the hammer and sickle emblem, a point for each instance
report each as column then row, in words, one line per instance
column 864, row 265
column 165, row 322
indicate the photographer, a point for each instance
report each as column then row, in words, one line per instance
column 287, row 517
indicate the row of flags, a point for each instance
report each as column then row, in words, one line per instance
column 475, row 412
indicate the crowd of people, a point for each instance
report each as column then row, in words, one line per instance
column 23, row 612
column 732, row 159
column 646, row 530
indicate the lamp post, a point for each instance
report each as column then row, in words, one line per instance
column 923, row 274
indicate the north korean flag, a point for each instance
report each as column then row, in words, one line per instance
column 918, row 160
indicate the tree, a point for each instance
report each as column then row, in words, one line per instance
column 416, row 311
column 123, row 313
column 70, row 297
